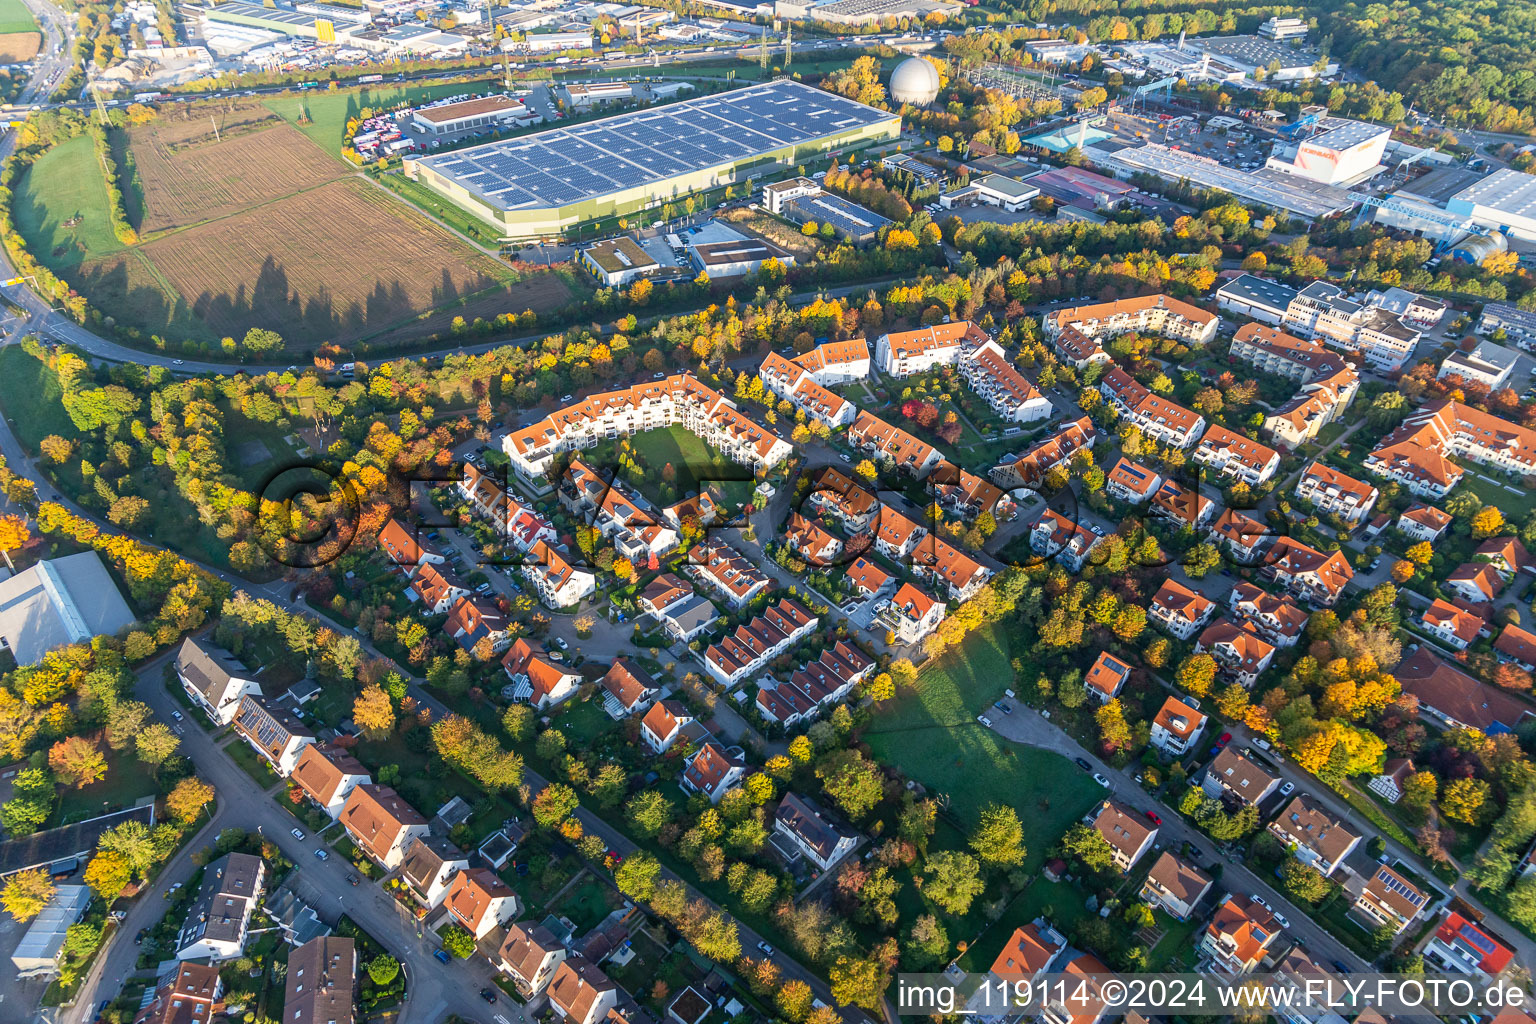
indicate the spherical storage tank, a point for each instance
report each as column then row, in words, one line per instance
column 915, row 81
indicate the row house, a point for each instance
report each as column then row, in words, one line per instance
column 530, row 955
column 321, row 982
column 1335, row 493
column 698, row 509
column 627, row 688
column 1234, row 776
column 1308, row 574
column 834, row 492
column 1417, row 454
column 558, row 583
column 941, row 564
column 1505, row 554
column 1131, row 482
column 1452, row 626
column 904, row 353
column 836, row 362
column 1078, row 350
column 811, row 542
column 328, row 774
column 1147, row 314
column 1231, row 454
column 519, row 523
column 743, row 653
column 537, row 679
column 1179, row 610
column 679, row 400
column 1175, row 887
column 191, row 994
column 1106, row 677
column 667, row 723
column 1183, row 506
column 1240, row 653
column 991, row 376
column 480, row 902
column 1389, row 900
column 278, row 736
column 714, row 770
column 1128, row 832
column 820, row 684
column 1176, row 727
column 799, row 388
column 1030, row 466
column 1516, row 646
column 1313, row 834
column 1423, row 523
column 874, row 437
column 896, row 535
column 812, row 831
column 214, row 679
column 911, row 614
column 1451, row 699
column 473, row 619
column 1275, row 617
column 962, row 493
column 626, row 520
column 867, row 577
column 727, row 572
column 1238, row 937
column 1242, row 537
column 1323, row 310
column 430, row 865
column 1056, row 536
column 437, row 588
column 381, row 824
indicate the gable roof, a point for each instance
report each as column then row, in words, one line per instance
column 1179, row 718
column 473, row 893
column 321, row 769
column 376, row 815
column 628, row 682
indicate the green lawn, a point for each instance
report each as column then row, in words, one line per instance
column 31, row 396
column 931, row 733
column 247, row 758
column 695, row 462
column 328, row 111
column 14, row 17
column 64, row 185
column 125, row 783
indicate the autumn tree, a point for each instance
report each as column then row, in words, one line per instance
column 26, row 893
column 108, row 873
column 77, row 761
column 1195, row 674
column 1465, row 800
column 13, row 534
column 187, row 800
column 1486, row 522
column 1114, row 731
column 156, row 744
column 999, row 836
column 373, row 712
column 952, row 880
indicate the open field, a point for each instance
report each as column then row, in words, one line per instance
column 30, row 394
column 322, row 115
column 186, row 181
column 15, row 17
column 931, row 733
column 17, row 47
column 261, row 229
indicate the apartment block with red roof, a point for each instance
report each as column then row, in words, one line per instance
column 1179, row 610
column 1106, row 677
column 1232, row 454
column 897, row 535
column 836, row 493
column 1308, row 574
column 519, row 523
column 1182, row 506
column 903, row 353
column 1506, row 554
column 1144, row 314
column 1163, row 421
column 1240, row 653
column 742, row 654
column 808, row 539
column 836, row 362
column 626, row 519
column 991, row 376
column 480, row 901
column 1334, row 493
column 406, row 548
column 191, row 994
column 1176, row 727
column 873, row 436
column 1276, row 618
column 328, row 775
column 558, row 583
column 1241, row 536
column 1418, row 453
column 948, row 569
column 799, row 387
column 727, row 572
column 911, row 614
column 1029, row 467
column 537, row 679
column 1131, row 482
column 1069, row 543
column 1076, row 348
column 1423, row 522
column 1463, row 947
column 381, row 824
column 436, row 588
column 962, row 493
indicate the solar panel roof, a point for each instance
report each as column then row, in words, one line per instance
column 564, row 165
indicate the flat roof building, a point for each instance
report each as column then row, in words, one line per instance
column 1288, row 193
column 547, row 182
column 618, row 261
column 494, row 111
column 1504, row 201
column 58, row 602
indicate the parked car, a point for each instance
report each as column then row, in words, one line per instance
column 442, row 954
column 1083, row 764
column 1101, row 780
column 351, row 879
column 561, row 643
column 489, row 995
column 1280, row 918
column 297, row 834
column 1287, row 788
column 1153, row 818
column 984, row 720
column 322, row 855
column 176, row 715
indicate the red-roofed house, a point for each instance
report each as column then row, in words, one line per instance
column 911, row 614
column 1306, row 572
column 1106, row 677
column 1337, row 493
column 559, row 583
column 536, row 678
column 628, row 688
column 1240, row 653
column 1176, row 727
column 1179, row 610
column 1028, row 952
column 1516, row 646
column 472, row 619
column 1239, row 935
column 1475, row 582
column 664, row 724
column 1231, row 454
column 1423, row 522
column 480, row 901
column 1131, row 482
column 405, row 549
column 436, row 589
column 1452, row 626
column 714, row 771
column 1460, row 946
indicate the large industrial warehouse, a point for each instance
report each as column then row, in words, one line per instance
column 540, row 185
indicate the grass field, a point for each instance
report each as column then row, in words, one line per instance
column 61, row 207
column 31, row 396
column 126, row 782
column 14, row 17
column 931, row 733
column 696, row 463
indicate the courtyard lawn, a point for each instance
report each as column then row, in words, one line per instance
column 931, row 733
column 696, row 463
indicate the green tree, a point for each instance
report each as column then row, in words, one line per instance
column 859, row 981
column 999, row 836
column 1089, row 847
column 1200, row 560
column 458, row 941
column 383, row 969
column 647, row 812
column 1301, row 882
column 952, row 880
column 853, row 782
column 636, row 877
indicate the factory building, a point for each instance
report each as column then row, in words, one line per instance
column 1344, row 153
column 1503, row 201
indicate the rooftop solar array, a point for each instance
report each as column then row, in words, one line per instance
column 562, row 166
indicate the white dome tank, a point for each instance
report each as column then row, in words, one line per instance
column 915, row 81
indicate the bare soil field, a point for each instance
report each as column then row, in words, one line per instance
column 190, row 178
column 340, row 262
column 16, row 47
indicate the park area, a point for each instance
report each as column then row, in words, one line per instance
column 245, row 220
